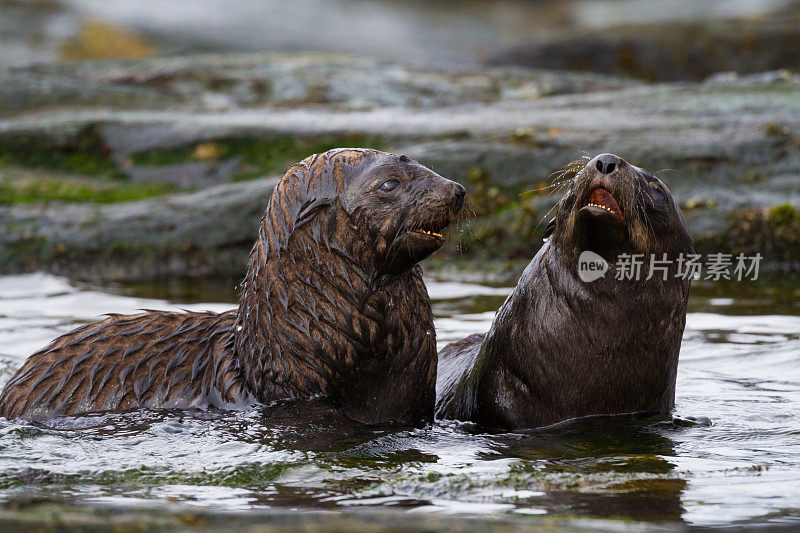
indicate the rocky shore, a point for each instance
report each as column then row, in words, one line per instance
column 127, row 170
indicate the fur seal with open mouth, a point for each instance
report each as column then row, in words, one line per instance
column 333, row 305
column 564, row 346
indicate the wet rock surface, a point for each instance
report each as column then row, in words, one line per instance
column 189, row 234
column 190, row 135
column 24, row 515
column 224, row 82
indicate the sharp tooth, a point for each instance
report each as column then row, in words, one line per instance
column 601, row 207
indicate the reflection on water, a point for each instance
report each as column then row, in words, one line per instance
column 739, row 367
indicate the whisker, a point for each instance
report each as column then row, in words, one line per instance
column 461, row 223
column 545, row 217
column 551, row 187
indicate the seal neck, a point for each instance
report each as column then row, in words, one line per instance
column 303, row 283
column 579, row 348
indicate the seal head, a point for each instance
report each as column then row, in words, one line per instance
column 405, row 207
column 614, row 207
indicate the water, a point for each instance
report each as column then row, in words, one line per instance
column 739, row 367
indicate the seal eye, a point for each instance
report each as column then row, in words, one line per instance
column 657, row 194
column 389, row 186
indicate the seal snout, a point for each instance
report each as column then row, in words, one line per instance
column 606, row 177
column 452, row 202
column 436, row 225
column 458, row 198
column 606, row 163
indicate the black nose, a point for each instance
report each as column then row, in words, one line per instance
column 458, row 198
column 606, row 163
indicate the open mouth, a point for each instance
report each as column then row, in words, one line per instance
column 601, row 199
column 432, row 228
column 426, row 232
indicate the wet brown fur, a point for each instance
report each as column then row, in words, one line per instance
column 328, row 308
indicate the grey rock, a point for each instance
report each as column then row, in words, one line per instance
column 190, row 174
column 221, row 82
column 178, row 235
column 706, row 140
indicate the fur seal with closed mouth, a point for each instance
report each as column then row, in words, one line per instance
column 333, row 305
column 561, row 347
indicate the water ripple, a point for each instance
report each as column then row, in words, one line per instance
column 740, row 371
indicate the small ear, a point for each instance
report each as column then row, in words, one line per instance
column 308, row 209
column 549, row 229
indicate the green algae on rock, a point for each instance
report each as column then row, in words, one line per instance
column 774, row 233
